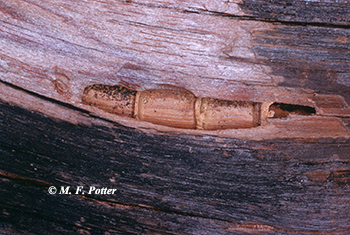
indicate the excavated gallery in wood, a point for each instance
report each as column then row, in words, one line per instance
column 203, row 117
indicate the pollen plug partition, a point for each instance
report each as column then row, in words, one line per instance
column 180, row 111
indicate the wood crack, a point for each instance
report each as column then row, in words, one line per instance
column 284, row 22
column 231, row 226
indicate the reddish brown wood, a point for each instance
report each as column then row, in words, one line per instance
column 288, row 176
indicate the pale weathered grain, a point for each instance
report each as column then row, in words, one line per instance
column 288, row 176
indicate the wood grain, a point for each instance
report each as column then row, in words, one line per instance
column 146, row 46
column 288, row 176
column 167, row 182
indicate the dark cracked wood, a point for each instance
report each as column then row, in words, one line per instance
column 291, row 175
column 166, row 182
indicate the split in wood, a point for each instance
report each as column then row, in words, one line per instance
column 181, row 108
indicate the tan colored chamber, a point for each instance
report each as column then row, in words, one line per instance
column 215, row 114
column 166, row 107
column 174, row 108
column 113, row 99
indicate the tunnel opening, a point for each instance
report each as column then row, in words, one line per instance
column 284, row 110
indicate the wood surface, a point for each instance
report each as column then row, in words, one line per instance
column 288, row 176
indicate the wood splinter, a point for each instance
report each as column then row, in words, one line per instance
column 176, row 108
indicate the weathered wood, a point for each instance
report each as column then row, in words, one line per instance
column 166, row 182
column 288, row 176
column 147, row 45
column 328, row 13
column 253, row 61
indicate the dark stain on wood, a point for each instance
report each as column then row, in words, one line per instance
column 298, row 11
column 167, row 177
column 308, row 57
column 172, row 183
